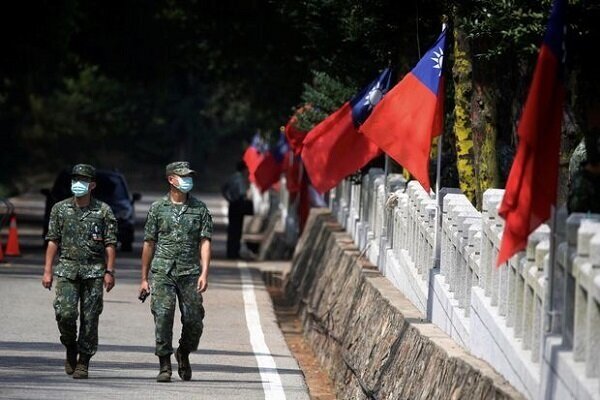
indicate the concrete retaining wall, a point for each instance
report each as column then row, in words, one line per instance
column 373, row 341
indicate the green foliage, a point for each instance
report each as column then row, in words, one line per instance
column 499, row 28
column 325, row 94
column 88, row 106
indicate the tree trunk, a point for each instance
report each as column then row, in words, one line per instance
column 483, row 117
column 461, row 73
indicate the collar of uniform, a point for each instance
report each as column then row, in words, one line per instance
column 190, row 202
column 94, row 204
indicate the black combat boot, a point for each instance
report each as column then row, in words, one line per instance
column 81, row 369
column 165, row 369
column 71, row 359
column 184, row 369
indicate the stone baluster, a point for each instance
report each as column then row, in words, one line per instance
column 538, row 281
column 496, row 229
column 430, row 212
column 516, row 283
column 520, row 291
column 449, row 202
column 474, row 260
column 539, row 238
column 354, row 207
column 403, row 218
column 470, row 226
column 394, row 184
column 375, row 178
column 568, row 255
column 413, row 214
column 491, row 199
column 422, row 260
column 585, row 270
column 458, row 232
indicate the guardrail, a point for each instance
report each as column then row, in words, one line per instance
column 500, row 313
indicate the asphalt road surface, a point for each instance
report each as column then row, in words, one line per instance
column 242, row 352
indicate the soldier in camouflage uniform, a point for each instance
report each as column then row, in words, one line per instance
column 177, row 250
column 85, row 231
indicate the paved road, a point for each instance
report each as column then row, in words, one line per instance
column 242, row 353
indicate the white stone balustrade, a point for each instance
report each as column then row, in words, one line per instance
column 586, row 267
column 513, row 296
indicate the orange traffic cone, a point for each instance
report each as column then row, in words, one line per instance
column 12, row 244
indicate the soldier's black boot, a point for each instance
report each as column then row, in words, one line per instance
column 184, row 369
column 81, row 369
column 164, row 374
column 71, row 359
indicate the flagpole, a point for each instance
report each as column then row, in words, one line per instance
column 438, row 206
column 387, row 157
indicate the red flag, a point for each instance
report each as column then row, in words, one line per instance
column 294, row 135
column 270, row 166
column 334, row 148
column 267, row 172
column 411, row 115
column 532, row 182
column 254, row 155
column 291, row 169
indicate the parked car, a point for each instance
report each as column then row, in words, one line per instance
column 112, row 189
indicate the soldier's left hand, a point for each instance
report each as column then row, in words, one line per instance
column 109, row 282
column 202, row 284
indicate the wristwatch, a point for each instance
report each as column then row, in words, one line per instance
column 111, row 272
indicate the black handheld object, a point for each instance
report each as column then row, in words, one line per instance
column 143, row 295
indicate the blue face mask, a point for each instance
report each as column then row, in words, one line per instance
column 80, row 188
column 185, row 183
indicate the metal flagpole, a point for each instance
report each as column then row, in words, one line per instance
column 438, row 206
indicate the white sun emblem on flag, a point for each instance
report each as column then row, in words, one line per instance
column 438, row 59
column 374, row 96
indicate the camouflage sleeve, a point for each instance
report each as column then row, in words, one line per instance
column 207, row 225
column 110, row 228
column 55, row 225
column 151, row 227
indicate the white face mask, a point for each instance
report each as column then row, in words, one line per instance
column 80, row 188
column 185, row 183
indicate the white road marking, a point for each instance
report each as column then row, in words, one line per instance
column 267, row 368
column 225, row 212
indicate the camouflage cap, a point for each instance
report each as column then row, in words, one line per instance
column 84, row 170
column 180, row 168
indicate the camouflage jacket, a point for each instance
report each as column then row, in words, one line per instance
column 82, row 235
column 177, row 230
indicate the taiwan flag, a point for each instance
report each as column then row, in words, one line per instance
column 411, row 115
column 294, row 135
column 532, row 183
column 270, row 167
column 334, row 148
column 254, row 155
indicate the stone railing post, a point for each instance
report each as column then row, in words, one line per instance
column 490, row 224
column 538, row 246
column 585, row 272
column 568, row 255
column 446, row 251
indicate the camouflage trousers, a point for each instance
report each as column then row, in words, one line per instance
column 165, row 289
column 72, row 296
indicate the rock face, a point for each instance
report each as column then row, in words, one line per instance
column 372, row 340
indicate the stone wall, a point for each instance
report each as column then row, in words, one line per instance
column 372, row 340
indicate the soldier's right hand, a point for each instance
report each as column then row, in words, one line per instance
column 47, row 280
column 144, row 287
